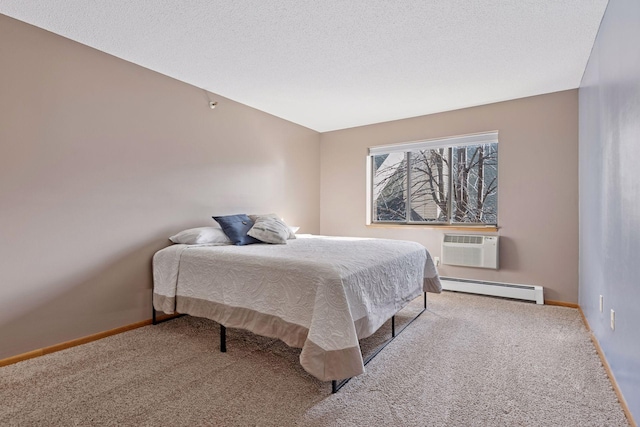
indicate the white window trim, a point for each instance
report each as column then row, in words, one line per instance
column 453, row 141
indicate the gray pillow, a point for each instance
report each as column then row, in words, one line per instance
column 292, row 233
column 270, row 229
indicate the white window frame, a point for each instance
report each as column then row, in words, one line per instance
column 449, row 143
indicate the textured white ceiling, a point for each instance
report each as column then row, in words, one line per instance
column 333, row 64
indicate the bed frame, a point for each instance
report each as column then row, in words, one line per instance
column 335, row 384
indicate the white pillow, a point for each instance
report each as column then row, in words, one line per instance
column 292, row 232
column 269, row 229
column 201, row 236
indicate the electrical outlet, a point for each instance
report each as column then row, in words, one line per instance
column 436, row 260
column 601, row 303
column 613, row 320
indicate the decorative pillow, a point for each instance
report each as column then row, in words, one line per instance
column 236, row 227
column 292, row 233
column 201, row 236
column 270, row 230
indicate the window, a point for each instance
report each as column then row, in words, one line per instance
column 443, row 181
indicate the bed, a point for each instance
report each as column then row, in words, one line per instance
column 320, row 294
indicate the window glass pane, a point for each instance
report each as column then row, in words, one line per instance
column 429, row 185
column 475, row 184
column 389, row 187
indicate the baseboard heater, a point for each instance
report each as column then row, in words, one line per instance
column 496, row 289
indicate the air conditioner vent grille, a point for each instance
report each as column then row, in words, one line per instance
column 453, row 238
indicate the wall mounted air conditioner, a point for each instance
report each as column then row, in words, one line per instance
column 470, row 250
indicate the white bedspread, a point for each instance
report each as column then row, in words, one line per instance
column 318, row 293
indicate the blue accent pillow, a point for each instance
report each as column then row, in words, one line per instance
column 236, row 227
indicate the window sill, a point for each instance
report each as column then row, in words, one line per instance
column 475, row 228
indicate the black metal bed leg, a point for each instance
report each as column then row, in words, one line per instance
column 223, row 339
column 393, row 326
column 425, row 299
column 156, row 320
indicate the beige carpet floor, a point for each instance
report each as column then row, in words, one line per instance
column 468, row 361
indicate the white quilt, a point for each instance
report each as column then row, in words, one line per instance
column 317, row 293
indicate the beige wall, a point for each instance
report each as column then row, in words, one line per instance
column 100, row 161
column 538, row 186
